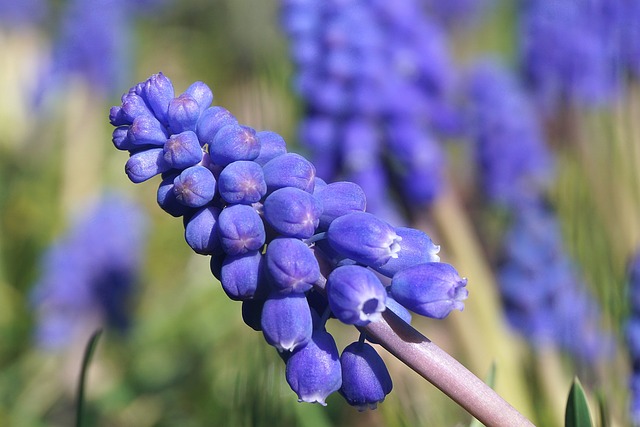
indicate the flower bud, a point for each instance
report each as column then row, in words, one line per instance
column 313, row 372
column 211, row 121
column 292, row 266
column 195, row 186
column 183, row 113
column 120, row 138
column 147, row 130
column 242, row 276
column 158, row 92
column 356, row 296
column 234, row 142
column 133, row 106
column 116, row 116
column 432, row 289
column 365, row 378
column 272, row 145
column 241, row 229
column 201, row 93
column 145, row 164
column 166, row 198
column 289, row 170
column 182, row 150
column 242, row 182
column 286, row 321
column 416, row 248
column 292, row 212
column 364, row 238
column 201, row 231
column 339, row 198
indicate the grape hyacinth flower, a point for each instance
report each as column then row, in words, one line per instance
column 365, row 378
column 458, row 13
column 89, row 275
column 14, row 14
column 513, row 162
column 544, row 296
column 569, row 52
column 376, row 78
column 541, row 288
column 274, row 231
column 93, row 43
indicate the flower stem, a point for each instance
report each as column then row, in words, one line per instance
column 443, row 371
column 88, row 353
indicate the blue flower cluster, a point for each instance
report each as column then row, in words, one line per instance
column 89, row 275
column 455, row 13
column 543, row 295
column 570, row 51
column 22, row 13
column 633, row 335
column 514, row 165
column 274, row 231
column 376, row 77
column 93, row 42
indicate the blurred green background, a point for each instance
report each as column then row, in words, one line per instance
column 189, row 360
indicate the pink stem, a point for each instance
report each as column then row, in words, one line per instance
column 443, row 371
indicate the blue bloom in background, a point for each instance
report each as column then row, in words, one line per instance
column 89, row 275
column 569, row 52
column 375, row 78
column 544, row 296
column 629, row 33
column 514, row 164
column 93, row 42
column 453, row 13
column 22, row 13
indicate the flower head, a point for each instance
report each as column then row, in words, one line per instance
column 90, row 273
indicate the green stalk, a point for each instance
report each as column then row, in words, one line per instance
column 88, row 353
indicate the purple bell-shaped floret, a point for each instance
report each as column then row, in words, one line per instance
column 242, row 182
column 292, row 266
column 432, row 289
column 242, row 276
column 146, row 164
column 292, row 212
column 364, row 238
column 241, row 229
column 416, row 248
column 356, row 295
column 195, row 186
column 313, row 372
column 365, row 378
column 286, row 321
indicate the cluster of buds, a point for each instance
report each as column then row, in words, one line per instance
column 275, row 231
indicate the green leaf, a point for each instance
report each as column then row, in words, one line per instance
column 603, row 409
column 577, row 411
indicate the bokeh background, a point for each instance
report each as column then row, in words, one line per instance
column 185, row 356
